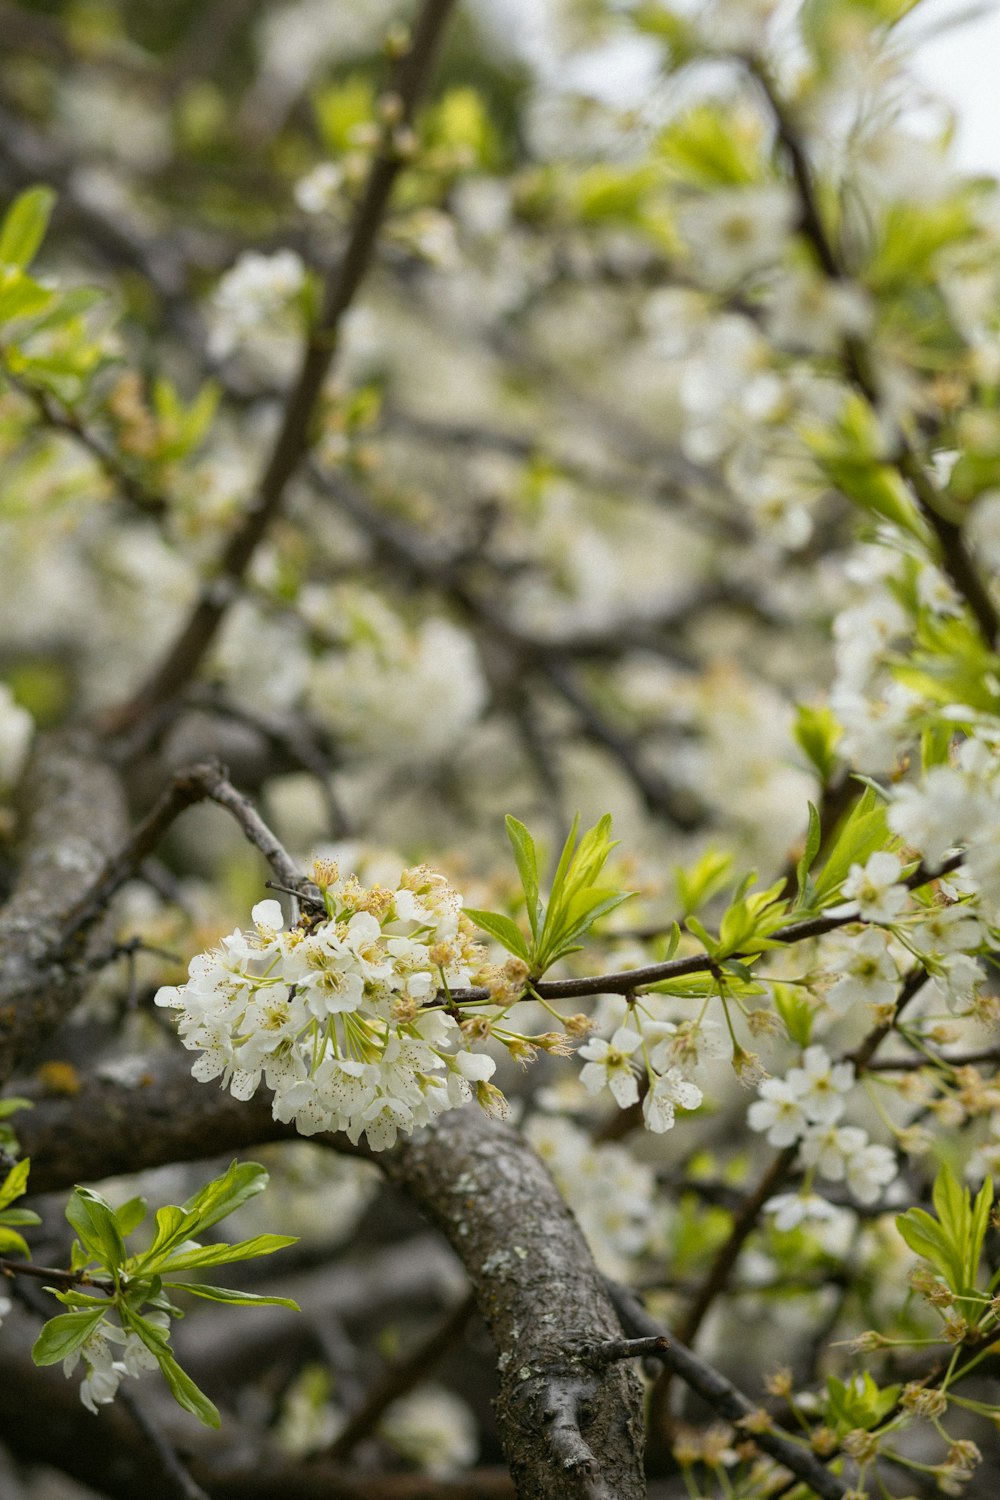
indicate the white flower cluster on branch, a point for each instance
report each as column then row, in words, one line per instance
column 333, row 1014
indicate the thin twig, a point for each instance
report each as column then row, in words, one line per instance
column 628, row 981
column 724, row 1397
column 198, row 783
column 606, row 1354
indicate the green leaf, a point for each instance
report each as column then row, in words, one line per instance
column 131, row 1214
column 239, row 1183
column 63, row 1334
column 12, row 1104
column 11, row 1240
column 185, row 1392
column 15, row 1183
column 817, row 732
column 792, row 1005
column 221, row 1255
column 814, row 837
column 503, row 929
column 863, row 832
column 698, row 883
column 526, row 859
column 21, row 296
column 24, row 226
column 925, row 1236
column 980, row 1223
column 238, row 1299
column 97, row 1227
column 19, row 1216
column 173, row 1226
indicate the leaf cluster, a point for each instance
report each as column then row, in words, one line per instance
column 128, row 1283
column 576, row 900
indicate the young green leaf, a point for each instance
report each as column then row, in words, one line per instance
column 222, row 1255
column 64, row 1334
column 97, row 1227
column 15, row 1183
column 526, row 859
column 814, row 837
column 24, row 226
column 237, row 1299
column 503, row 929
column 240, row 1182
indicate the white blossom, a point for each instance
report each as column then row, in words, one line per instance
column 609, row 1065
column 792, row 1209
column 667, row 1092
column 779, row 1111
column 257, row 290
column 876, row 889
column 736, row 231
column 869, row 1171
column 16, row 729
column 336, row 1018
column 866, row 968
column 820, row 1085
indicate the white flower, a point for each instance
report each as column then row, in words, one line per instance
column 434, row 1430
column 340, row 1020
column 792, row 1209
column 939, row 814
column 319, row 190
column 609, row 1066
column 875, row 888
column 820, row 1085
column 868, row 973
column 666, row 1092
column 16, row 729
column 255, row 291
column 735, row 231
column 948, row 929
column 268, row 918
column 812, row 314
column 829, row 1148
column 779, row 1111
column 869, row 1170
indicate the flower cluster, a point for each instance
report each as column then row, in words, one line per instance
column 613, row 1065
column 255, row 291
column 807, row 1106
column 104, row 1372
column 338, row 1015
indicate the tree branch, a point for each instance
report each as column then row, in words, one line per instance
column 293, row 440
column 74, row 818
column 725, row 1398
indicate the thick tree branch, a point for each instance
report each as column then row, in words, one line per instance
column 74, row 818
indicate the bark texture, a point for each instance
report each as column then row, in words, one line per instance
column 73, row 819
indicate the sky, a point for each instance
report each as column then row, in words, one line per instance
column 962, row 63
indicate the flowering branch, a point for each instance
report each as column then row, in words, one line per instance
column 859, row 366
column 294, row 437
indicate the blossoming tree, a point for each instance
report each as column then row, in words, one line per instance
column 499, row 719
